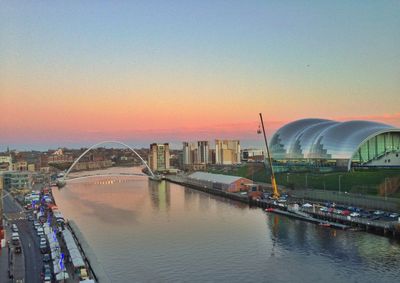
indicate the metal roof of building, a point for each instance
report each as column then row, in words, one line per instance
column 218, row 178
column 323, row 139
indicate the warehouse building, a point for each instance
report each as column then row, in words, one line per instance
column 220, row 182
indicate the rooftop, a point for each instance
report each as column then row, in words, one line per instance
column 218, row 178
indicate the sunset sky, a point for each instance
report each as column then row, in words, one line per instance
column 76, row 72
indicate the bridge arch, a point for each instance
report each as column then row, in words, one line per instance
column 104, row 142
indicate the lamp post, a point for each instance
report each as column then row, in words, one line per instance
column 386, row 179
column 306, row 181
column 340, row 177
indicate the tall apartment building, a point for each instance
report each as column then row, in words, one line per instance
column 159, row 157
column 203, row 150
column 195, row 155
column 227, row 152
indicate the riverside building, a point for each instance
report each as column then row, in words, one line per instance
column 195, row 155
column 159, row 157
column 336, row 145
column 227, row 152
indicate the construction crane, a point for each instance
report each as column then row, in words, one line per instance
column 275, row 192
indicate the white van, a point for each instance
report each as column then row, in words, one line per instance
column 14, row 227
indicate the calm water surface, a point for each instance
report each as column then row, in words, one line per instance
column 142, row 231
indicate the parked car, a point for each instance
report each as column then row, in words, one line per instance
column 324, row 209
column 43, row 241
column 46, row 258
column 379, row 212
column 355, row 214
column 40, row 231
column 46, row 274
column 346, row 212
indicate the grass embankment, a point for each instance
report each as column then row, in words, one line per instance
column 370, row 182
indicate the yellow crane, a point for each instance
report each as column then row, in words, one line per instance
column 275, row 192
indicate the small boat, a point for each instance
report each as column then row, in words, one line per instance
column 324, row 224
column 269, row 209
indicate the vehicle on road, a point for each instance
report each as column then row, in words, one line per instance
column 36, row 224
column 46, row 274
column 379, row 212
column 43, row 241
column 46, row 258
column 15, row 238
column 17, row 248
column 40, row 232
column 14, row 227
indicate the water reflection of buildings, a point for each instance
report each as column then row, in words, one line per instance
column 160, row 195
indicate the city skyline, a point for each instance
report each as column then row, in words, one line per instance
column 75, row 73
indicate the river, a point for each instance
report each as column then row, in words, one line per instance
column 144, row 231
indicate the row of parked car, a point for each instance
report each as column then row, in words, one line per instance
column 359, row 212
column 15, row 238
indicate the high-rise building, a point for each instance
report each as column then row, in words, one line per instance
column 159, row 157
column 195, row 155
column 227, row 152
column 202, row 152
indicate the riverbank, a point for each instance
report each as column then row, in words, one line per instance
column 390, row 229
column 89, row 256
column 85, row 253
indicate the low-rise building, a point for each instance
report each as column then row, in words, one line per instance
column 16, row 180
column 6, row 163
column 252, row 155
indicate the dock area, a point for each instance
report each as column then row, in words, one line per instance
column 309, row 219
column 390, row 229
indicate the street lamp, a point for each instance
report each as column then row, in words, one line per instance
column 386, row 179
column 340, row 177
column 306, row 181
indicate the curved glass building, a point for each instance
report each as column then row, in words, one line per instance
column 324, row 142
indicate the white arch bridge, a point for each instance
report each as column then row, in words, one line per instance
column 61, row 182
